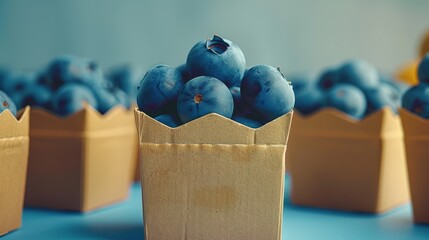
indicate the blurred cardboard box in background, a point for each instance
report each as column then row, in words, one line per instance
column 82, row 162
column 339, row 163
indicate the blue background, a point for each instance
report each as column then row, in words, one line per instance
column 124, row 221
column 297, row 35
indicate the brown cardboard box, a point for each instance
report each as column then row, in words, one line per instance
column 416, row 137
column 81, row 162
column 339, row 163
column 14, row 144
column 212, row 178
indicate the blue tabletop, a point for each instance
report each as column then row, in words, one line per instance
column 124, row 221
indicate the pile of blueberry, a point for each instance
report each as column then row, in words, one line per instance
column 69, row 81
column 355, row 88
column 416, row 99
column 215, row 80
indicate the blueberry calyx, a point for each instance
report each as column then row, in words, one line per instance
column 198, row 98
column 92, row 66
column 341, row 93
column 327, row 84
column 418, row 107
column 217, row 45
column 281, row 73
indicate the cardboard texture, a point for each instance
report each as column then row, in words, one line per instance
column 339, row 163
column 416, row 138
column 137, row 164
column 14, row 145
column 82, row 162
column 212, row 178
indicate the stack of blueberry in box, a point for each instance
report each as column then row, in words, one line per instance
column 215, row 80
column 221, row 129
column 70, row 98
column 346, row 146
column 67, row 82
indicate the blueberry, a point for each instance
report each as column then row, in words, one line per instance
column 384, row 95
column 309, row 99
column 204, row 95
column 236, row 93
column 400, row 86
column 218, row 58
column 359, row 73
column 42, row 78
column 39, row 96
column 159, row 89
column 70, row 98
column 416, row 100
column 328, row 78
column 19, row 82
column 423, row 69
column 247, row 121
column 122, row 98
column 185, row 72
column 108, row 98
column 265, row 90
column 236, row 96
column 126, row 78
column 240, row 107
column 6, row 103
column 245, row 71
column 72, row 69
column 105, row 99
column 348, row 99
column 169, row 120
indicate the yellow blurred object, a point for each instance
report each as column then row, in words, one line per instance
column 408, row 73
column 424, row 47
